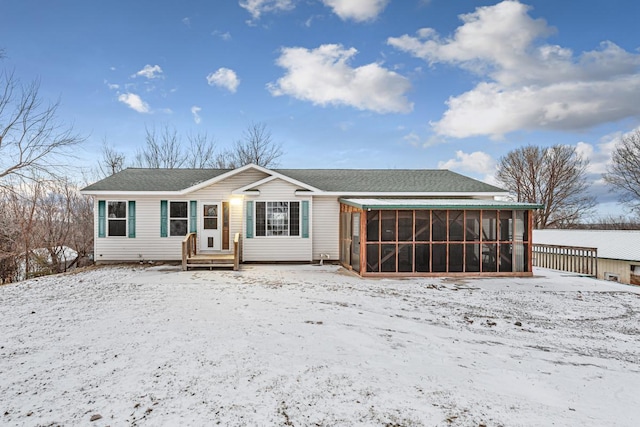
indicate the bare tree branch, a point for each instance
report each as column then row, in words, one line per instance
column 31, row 137
column 162, row 150
column 623, row 174
column 112, row 161
column 201, row 153
column 256, row 146
column 555, row 177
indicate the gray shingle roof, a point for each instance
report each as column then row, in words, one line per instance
column 134, row 179
column 335, row 180
column 388, row 180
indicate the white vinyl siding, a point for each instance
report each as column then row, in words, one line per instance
column 279, row 248
column 148, row 245
column 326, row 227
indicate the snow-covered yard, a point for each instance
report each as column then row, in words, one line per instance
column 310, row 345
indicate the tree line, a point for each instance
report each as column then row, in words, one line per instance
column 165, row 148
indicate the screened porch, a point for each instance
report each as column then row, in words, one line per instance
column 435, row 237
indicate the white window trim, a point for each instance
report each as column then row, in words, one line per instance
column 126, row 219
column 170, row 218
column 288, row 235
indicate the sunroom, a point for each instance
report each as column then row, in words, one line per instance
column 436, row 237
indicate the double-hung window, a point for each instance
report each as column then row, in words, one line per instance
column 277, row 219
column 178, row 218
column 117, row 218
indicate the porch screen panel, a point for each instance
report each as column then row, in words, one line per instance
column 423, row 226
column 490, row 257
column 345, row 238
column 405, row 226
column 456, row 258
column 388, row 226
column 489, row 226
column 456, row 226
column 472, row 258
column 355, row 242
column 423, row 258
column 388, row 258
column 439, row 258
column 439, row 226
column 405, row 258
column 373, row 226
column 373, row 258
column 521, row 234
column 472, row 228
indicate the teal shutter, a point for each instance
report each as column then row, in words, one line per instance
column 305, row 219
column 102, row 218
column 132, row 219
column 163, row 218
column 249, row 232
column 193, row 217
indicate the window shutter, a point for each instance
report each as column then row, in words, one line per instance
column 132, row 219
column 102, row 218
column 193, row 217
column 163, row 218
column 305, row 219
column 249, row 231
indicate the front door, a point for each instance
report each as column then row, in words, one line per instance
column 210, row 235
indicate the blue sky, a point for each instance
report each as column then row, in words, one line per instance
column 341, row 84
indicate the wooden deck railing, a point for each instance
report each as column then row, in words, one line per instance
column 237, row 251
column 189, row 248
column 575, row 259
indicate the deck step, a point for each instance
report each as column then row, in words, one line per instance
column 209, row 266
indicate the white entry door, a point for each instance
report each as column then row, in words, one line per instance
column 210, row 226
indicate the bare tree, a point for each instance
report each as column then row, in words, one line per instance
column 623, row 174
column 554, row 177
column 202, row 150
column 256, row 146
column 32, row 139
column 162, row 149
column 112, row 161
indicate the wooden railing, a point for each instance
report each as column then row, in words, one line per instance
column 237, row 251
column 189, row 248
column 575, row 259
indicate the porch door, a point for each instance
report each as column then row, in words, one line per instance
column 210, row 227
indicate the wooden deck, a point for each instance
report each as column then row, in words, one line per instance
column 192, row 259
column 210, row 261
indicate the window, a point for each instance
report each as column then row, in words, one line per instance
column 117, row 218
column 178, row 218
column 277, row 219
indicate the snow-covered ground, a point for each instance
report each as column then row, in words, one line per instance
column 316, row 346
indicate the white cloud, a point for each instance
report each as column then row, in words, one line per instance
column 226, row 36
column 529, row 85
column 134, row 102
column 187, row 22
column 150, row 72
column 324, row 77
column 360, row 11
column 224, row 78
column 112, row 86
column 257, row 7
column 196, row 117
column 478, row 162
